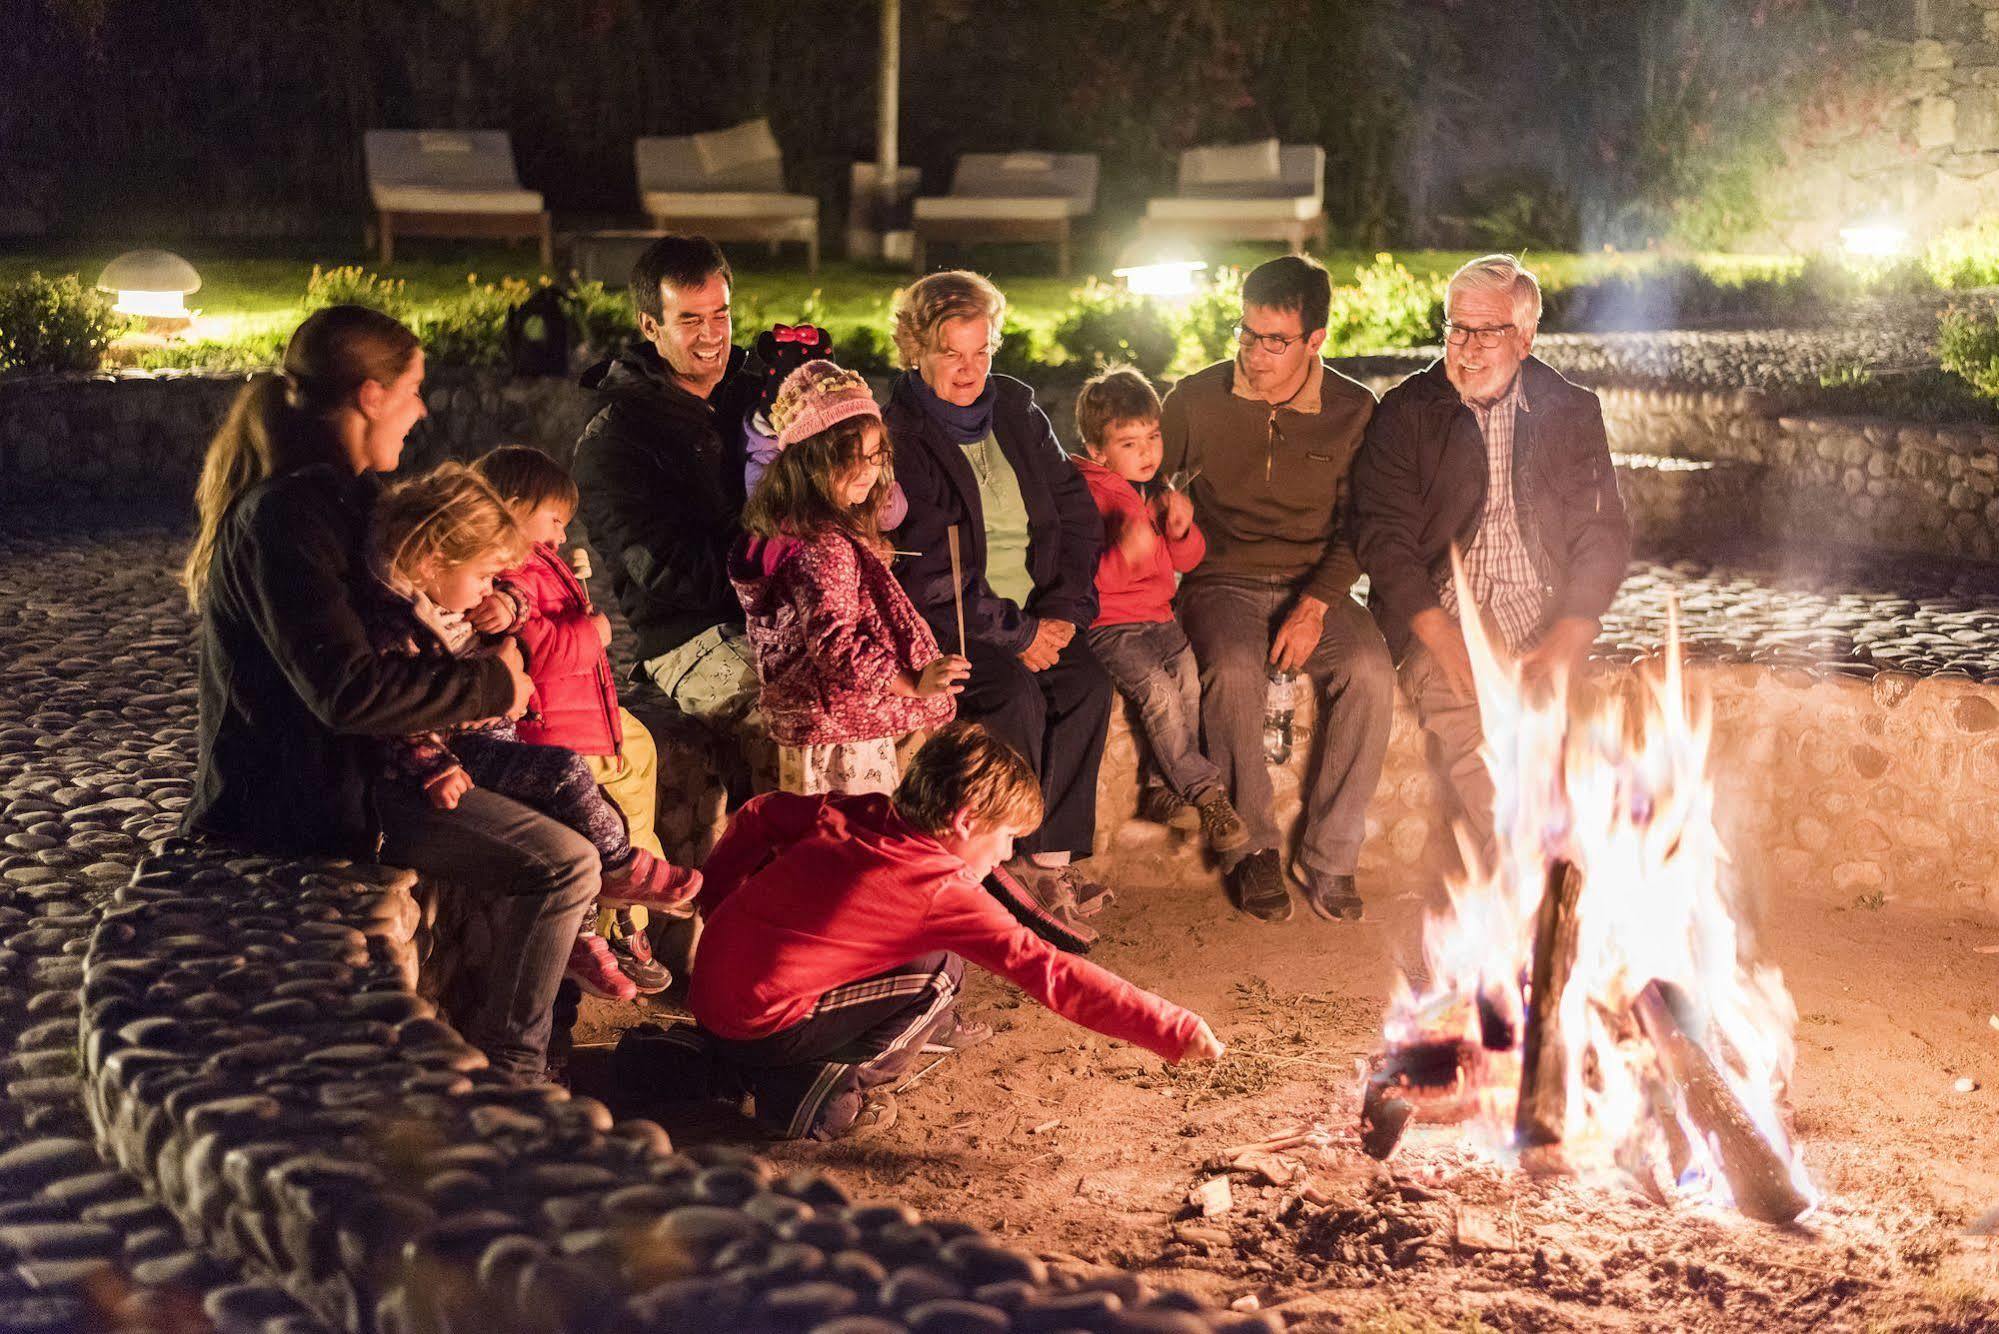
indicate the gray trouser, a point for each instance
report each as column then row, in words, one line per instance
column 544, row 876
column 1230, row 619
column 1153, row 666
column 712, row 678
column 1452, row 737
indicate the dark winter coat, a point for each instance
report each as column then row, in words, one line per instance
column 293, row 695
column 1063, row 530
column 661, row 473
column 1419, row 485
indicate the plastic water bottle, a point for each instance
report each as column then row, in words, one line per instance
column 1279, row 703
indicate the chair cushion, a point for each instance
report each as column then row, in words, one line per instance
column 974, row 207
column 728, row 204
column 430, row 199
column 1293, row 208
column 475, row 161
column 744, row 158
column 1228, row 164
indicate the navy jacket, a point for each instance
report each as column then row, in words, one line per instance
column 1419, row 485
column 1064, row 531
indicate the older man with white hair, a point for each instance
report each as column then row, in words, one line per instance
column 1492, row 453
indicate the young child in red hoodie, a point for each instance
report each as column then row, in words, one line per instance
column 1141, row 645
column 838, row 928
column 849, row 669
column 575, row 703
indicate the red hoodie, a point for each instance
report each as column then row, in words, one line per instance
column 1128, row 593
column 804, row 894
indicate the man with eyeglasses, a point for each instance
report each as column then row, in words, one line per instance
column 1268, row 436
column 1489, row 452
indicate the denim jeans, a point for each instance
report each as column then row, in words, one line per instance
column 1152, row 665
column 1231, row 620
column 545, row 877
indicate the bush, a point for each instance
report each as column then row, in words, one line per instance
column 1023, row 351
column 54, row 324
column 864, row 348
column 1965, row 256
column 1106, row 326
column 1386, row 309
column 1968, row 346
column 601, row 319
column 244, row 352
column 1212, row 316
column 352, row 285
column 470, row 329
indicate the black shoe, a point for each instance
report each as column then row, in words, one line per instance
column 1332, row 897
column 1256, row 886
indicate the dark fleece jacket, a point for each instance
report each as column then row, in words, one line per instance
column 661, row 473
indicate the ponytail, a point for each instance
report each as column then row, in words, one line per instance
column 278, row 423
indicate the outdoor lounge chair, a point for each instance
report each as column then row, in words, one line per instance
column 451, row 183
column 1262, row 191
column 1011, row 197
column 726, row 184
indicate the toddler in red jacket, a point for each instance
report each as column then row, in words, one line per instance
column 545, row 604
column 1147, row 542
column 838, row 928
column 851, row 674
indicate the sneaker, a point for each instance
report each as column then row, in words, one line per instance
column 960, row 1034
column 1034, row 901
column 1256, row 885
column 1332, row 897
column 635, row 959
column 1221, row 826
column 650, row 880
column 1159, row 804
column 877, row 1114
column 594, row 968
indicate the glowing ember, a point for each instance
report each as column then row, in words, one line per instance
column 1686, row 1080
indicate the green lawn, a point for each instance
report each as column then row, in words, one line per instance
column 248, row 291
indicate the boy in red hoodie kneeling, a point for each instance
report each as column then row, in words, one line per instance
column 838, row 931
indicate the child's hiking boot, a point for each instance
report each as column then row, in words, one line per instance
column 877, row 1114
column 1027, row 896
column 651, row 881
column 1160, row 804
column 1221, row 827
column 956, row 1035
column 594, row 968
column 633, row 952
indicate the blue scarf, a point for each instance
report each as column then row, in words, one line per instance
column 965, row 426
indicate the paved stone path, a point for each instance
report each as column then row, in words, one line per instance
column 96, row 754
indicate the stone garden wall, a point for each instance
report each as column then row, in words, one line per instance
column 1692, row 464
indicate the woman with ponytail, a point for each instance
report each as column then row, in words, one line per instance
column 295, row 701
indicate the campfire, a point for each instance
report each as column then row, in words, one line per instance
column 1588, row 1003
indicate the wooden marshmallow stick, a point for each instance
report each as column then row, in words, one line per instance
column 957, row 587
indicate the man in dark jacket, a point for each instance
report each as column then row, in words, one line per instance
column 660, row 468
column 1269, row 435
column 1492, row 453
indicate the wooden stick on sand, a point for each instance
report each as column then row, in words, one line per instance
column 957, row 587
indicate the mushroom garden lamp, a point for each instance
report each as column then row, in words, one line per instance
column 1874, row 240
column 1168, row 278
column 152, row 285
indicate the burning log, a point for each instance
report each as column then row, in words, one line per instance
column 1758, row 1176
column 1537, row 1119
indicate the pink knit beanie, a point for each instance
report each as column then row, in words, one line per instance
column 817, row 395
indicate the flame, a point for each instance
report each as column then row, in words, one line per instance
column 1618, row 787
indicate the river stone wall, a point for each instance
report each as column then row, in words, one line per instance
column 1838, row 791
column 1783, row 478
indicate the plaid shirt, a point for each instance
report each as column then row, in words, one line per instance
column 1498, row 569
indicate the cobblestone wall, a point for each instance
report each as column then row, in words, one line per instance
column 1829, row 788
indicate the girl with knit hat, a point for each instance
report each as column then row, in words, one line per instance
column 849, row 669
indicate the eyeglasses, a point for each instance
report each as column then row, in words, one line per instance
column 1456, row 334
column 1275, row 344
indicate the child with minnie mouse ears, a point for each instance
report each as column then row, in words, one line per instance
column 778, row 351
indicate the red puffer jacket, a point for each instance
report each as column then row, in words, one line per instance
column 574, row 695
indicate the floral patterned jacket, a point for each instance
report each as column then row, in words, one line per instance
column 402, row 622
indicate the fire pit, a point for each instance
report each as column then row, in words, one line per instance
column 1588, row 1004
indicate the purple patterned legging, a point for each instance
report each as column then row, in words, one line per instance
column 552, row 780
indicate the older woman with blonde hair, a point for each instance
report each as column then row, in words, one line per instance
column 974, row 453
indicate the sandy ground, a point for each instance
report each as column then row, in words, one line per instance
column 1085, row 1150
